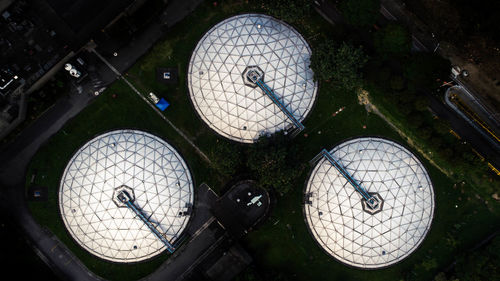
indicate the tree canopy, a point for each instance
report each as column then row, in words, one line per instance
column 226, row 157
column 273, row 162
column 360, row 12
column 392, row 40
column 288, row 10
column 340, row 64
column 423, row 69
column 478, row 265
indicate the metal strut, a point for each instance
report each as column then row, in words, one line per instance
column 372, row 201
column 125, row 198
column 283, row 108
column 255, row 76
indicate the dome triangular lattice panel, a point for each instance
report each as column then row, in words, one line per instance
column 217, row 87
column 335, row 215
column 146, row 165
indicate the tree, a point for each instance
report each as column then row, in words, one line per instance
column 441, row 126
column 482, row 264
column 415, row 119
column 288, row 10
column 446, row 153
column 437, row 142
column 429, row 264
column 392, row 40
column 421, row 103
column 397, row 83
column 273, row 162
column 424, row 70
column 406, row 108
column 425, row 132
column 226, row 157
column 360, row 12
column 407, row 97
column 340, row 64
column 440, row 277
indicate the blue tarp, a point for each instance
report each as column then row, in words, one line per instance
column 162, row 104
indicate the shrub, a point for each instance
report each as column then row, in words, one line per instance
column 442, row 127
column 424, row 69
column 273, row 162
column 421, row 103
column 340, row 64
column 288, row 10
column 226, row 157
column 397, row 83
column 425, row 132
column 360, row 12
column 392, row 40
column 415, row 119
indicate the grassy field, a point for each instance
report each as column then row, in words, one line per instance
column 105, row 114
column 283, row 244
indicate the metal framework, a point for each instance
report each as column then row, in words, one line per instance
column 218, row 84
column 256, row 78
column 372, row 201
column 160, row 200
column 350, row 230
column 125, row 198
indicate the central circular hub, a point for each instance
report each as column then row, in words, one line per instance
column 120, row 192
column 251, row 75
column 373, row 204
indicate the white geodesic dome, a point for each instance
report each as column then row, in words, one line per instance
column 154, row 174
column 335, row 215
column 217, row 88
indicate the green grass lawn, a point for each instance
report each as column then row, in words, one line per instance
column 282, row 244
column 107, row 113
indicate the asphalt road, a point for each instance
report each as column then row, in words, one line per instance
column 466, row 131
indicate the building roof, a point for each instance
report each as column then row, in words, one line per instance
column 153, row 173
column 334, row 211
column 216, row 84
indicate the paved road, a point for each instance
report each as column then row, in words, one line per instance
column 15, row 156
column 487, row 116
column 466, row 131
column 488, row 133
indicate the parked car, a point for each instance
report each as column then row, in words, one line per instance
column 153, row 98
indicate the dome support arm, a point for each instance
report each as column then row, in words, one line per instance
column 124, row 197
column 371, row 201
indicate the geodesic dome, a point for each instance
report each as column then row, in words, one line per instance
column 150, row 170
column 340, row 223
column 217, row 87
